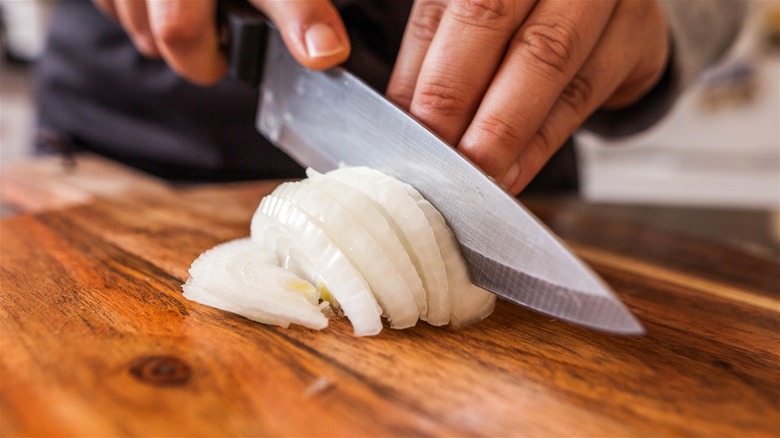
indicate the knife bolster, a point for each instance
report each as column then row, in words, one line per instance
column 245, row 29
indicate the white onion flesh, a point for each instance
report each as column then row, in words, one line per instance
column 468, row 303
column 374, row 247
column 413, row 229
column 241, row 276
column 353, row 239
column 330, row 268
column 357, row 246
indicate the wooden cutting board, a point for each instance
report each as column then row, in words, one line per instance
column 97, row 339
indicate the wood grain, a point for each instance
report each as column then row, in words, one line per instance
column 51, row 182
column 98, row 341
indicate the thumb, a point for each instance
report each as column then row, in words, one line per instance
column 312, row 30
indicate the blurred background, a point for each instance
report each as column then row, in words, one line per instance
column 711, row 168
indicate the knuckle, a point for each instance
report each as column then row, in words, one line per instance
column 578, row 94
column 426, row 19
column 439, row 98
column 480, row 11
column 505, row 134
column 550, row 44
column 546, row 141
column 492, row 140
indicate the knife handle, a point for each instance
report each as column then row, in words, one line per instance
column 243, row 31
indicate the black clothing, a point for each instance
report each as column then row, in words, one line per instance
column 97, row 93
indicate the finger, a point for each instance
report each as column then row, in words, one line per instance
column 133, row 16
column 623, row 55
column 544, row 56
column 185, row 33
column 461, row 60
column 423, row 21
column 107, row 7
column 311, row 29
column 643, row 18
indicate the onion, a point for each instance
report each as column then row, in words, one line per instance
column 393, row 200
column 356, row 225
column 468, row 302
column 354, row 240
column 326, row 264
column 241, row 276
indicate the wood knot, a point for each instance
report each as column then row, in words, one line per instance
column 723, row 364
column 161, row 370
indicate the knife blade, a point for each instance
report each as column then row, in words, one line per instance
column 325, row 119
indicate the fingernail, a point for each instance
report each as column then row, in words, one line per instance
column 321, row 40
column 511, row 176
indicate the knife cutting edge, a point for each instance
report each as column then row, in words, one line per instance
column 324, row 119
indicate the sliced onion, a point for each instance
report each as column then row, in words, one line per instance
column 405, row 217
column 468, row 302
column 241, row 276
column 326, row 264
column 354, row 239
column 371, row 248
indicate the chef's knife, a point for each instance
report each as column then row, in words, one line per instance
column 324, row 119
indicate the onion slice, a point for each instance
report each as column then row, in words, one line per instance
column 468, row 303
column 241, row 276
column 405, row 217
column 371, row 248
column 277, row 220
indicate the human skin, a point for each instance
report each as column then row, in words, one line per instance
column 504, row 81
